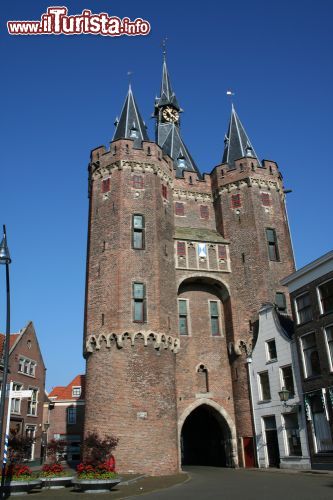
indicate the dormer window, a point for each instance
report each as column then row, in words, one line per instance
column 134, row 132
column 181, row 162
column 76, row 392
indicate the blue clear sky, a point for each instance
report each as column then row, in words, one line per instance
column 60, row 96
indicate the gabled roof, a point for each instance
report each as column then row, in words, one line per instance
column 60, row 393
column 237, row 143
column 12, row 340
column 130, row 124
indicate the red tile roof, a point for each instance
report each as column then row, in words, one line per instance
column 12, row 339
column 60, row 392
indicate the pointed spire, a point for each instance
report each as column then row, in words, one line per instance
column 237, row 143
column 130, row 124
column 168, row 131
column 167, row 94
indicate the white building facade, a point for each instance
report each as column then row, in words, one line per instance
column 280, row 429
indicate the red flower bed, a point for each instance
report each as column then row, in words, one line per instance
column 52, row 468
column 18, row 470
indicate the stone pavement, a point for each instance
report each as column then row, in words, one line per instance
column 210, row 483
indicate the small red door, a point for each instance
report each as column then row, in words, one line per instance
column 248, row 452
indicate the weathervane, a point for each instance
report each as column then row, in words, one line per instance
column 129, row 74
column 164, row 41
column 230, row 94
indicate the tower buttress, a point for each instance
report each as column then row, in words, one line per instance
column 131, row 334
column 250, row 206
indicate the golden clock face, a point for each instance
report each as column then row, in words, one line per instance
column 170, row 114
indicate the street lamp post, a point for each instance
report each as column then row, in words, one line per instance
column 6, row 260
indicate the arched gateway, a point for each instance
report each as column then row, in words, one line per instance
column 207, row 436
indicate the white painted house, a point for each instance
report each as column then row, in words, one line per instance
column 280, row 429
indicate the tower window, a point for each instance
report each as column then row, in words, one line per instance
column 202, row 376
column 214, row 317
column 138, row 228
column 236, row 201
column 272, row 245
column 164, row 192
column 222, row 251
column 204, row 212
column 179, row 209
column 137, row 181
column 266, row 199
column 139, row 302
column 280, row 301
column 182, row 317
column 106, row 185
column 181, row 249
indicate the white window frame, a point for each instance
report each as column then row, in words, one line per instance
column 24, row 361
column 282, row 384
column 260, row 394
column 285, row 437
column 33, row 428
column 330, row 360
column 76, row 388
column 268, row 359
column 302, row 351
column 15, row 384
column 296, row 307
column 35, row 402
column 318, row 294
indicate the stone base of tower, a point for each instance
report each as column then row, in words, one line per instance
column 130, row 393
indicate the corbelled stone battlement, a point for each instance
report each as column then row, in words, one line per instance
column 157, row 340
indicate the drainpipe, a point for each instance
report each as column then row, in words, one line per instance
column 249, row 363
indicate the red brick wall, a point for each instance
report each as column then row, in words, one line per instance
column 121, row 383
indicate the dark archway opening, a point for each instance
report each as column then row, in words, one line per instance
column 203, row 438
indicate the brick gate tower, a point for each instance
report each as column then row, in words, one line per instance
column 178, row 265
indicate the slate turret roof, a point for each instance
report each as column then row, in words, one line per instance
column 237, row 143
column 130, row 124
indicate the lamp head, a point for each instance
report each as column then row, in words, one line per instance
column 4, row 252
column 284, row 395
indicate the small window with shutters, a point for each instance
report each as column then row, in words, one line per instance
column 139, row 303
column 273, row 251
column 179, row 209
column 182, row 317
column 204, row 212
column 106, row 183
column 222, row 251
column 266, row 199
column 137, row 182
column 181, row 249
column 138, row 232
column 214, row 317
column 280, row 301
column 236, row 201
column 164, row 192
